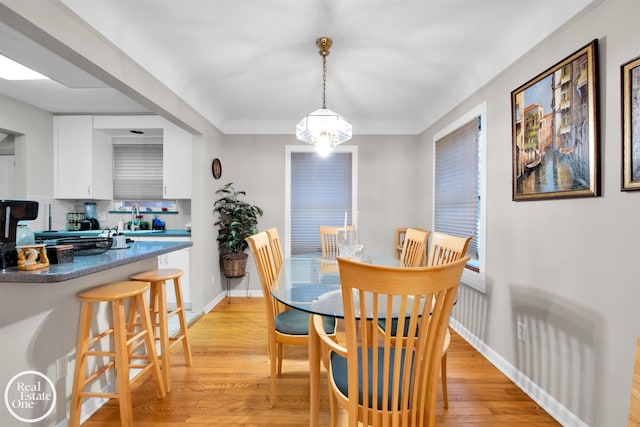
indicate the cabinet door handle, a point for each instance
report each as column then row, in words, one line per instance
column 89, row 190
column 165, row 190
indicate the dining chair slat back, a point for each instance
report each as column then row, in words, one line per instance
column 263, row 257
column 276, row 247
column 445, row 248
column 399, row 234
column 329, row 240
column 414, row 248
column 378, row 382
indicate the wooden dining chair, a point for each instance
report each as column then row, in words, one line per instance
column 284, row 326
column 378, row 382
column 276, row 247
column 399, row 234
column 445, row 248
column 329, row 240
column 414, row 248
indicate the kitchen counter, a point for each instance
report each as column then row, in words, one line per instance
column 49, row 235
column 40, row 311
column 84, row 265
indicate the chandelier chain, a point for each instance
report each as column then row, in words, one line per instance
column 324, row 81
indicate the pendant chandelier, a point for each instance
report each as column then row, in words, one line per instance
column 323, row 128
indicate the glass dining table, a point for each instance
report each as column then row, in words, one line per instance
column 311, row 283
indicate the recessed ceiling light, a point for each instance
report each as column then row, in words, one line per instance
column 11, row 70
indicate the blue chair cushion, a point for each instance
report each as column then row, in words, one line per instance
column 394, row 327
column 296, row 322
column 339, row 373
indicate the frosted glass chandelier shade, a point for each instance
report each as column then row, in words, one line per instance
column 325, row 129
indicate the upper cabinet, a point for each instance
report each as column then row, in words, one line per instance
column 176, row 158
column 176, row 144
column 82, row 166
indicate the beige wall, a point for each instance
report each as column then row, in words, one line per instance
column 387, row 189
column 567, row 268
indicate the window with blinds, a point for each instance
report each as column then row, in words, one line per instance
column 137, row 171
column 321, row 192
column 457, row 185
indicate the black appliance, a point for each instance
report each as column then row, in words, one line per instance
column 12, row 211
column 89, row 224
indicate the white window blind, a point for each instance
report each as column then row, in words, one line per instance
column 320, row 195
column 457, row 184
column 137, row 171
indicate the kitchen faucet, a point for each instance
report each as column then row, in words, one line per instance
column 135, row 212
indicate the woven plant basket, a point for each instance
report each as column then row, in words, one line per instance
column 234, row 265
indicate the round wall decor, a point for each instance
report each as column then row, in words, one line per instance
column 216, row 168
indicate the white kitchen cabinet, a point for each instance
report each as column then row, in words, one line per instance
column 178, row 259
column 82, row 167
column 176, row 170
column 176, row 150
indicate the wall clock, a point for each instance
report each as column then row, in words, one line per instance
column 216, row 168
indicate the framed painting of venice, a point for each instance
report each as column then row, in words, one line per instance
column 554, row 122
column 631, row 125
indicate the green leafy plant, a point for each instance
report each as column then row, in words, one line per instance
column 237, row 220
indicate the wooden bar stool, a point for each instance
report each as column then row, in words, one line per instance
column 160, row 316
column 126, row 347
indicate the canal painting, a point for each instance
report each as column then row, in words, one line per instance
column 554, row 131
column 631, row 125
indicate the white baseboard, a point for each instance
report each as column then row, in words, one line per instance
column 89, row 407
column 245, row 294
column 209, row 306
column 558, row 411
column 234, row 293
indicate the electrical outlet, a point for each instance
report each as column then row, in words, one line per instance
column 102, row 217
column 522, row 331
column 62, row 366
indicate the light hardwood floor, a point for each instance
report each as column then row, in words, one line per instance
column 228, row 384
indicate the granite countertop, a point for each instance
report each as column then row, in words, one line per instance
column 47, row 235
column 84, row 265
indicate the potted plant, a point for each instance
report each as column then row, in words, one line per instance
column 237, row 220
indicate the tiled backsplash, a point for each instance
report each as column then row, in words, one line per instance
column 59, row 209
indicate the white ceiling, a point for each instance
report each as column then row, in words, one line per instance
column 252, row 66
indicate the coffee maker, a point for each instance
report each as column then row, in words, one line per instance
column 12, row 211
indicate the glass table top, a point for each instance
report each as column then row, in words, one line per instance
column 311, row 283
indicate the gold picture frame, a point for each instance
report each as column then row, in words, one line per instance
column 554, row 121
column 631, row 125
